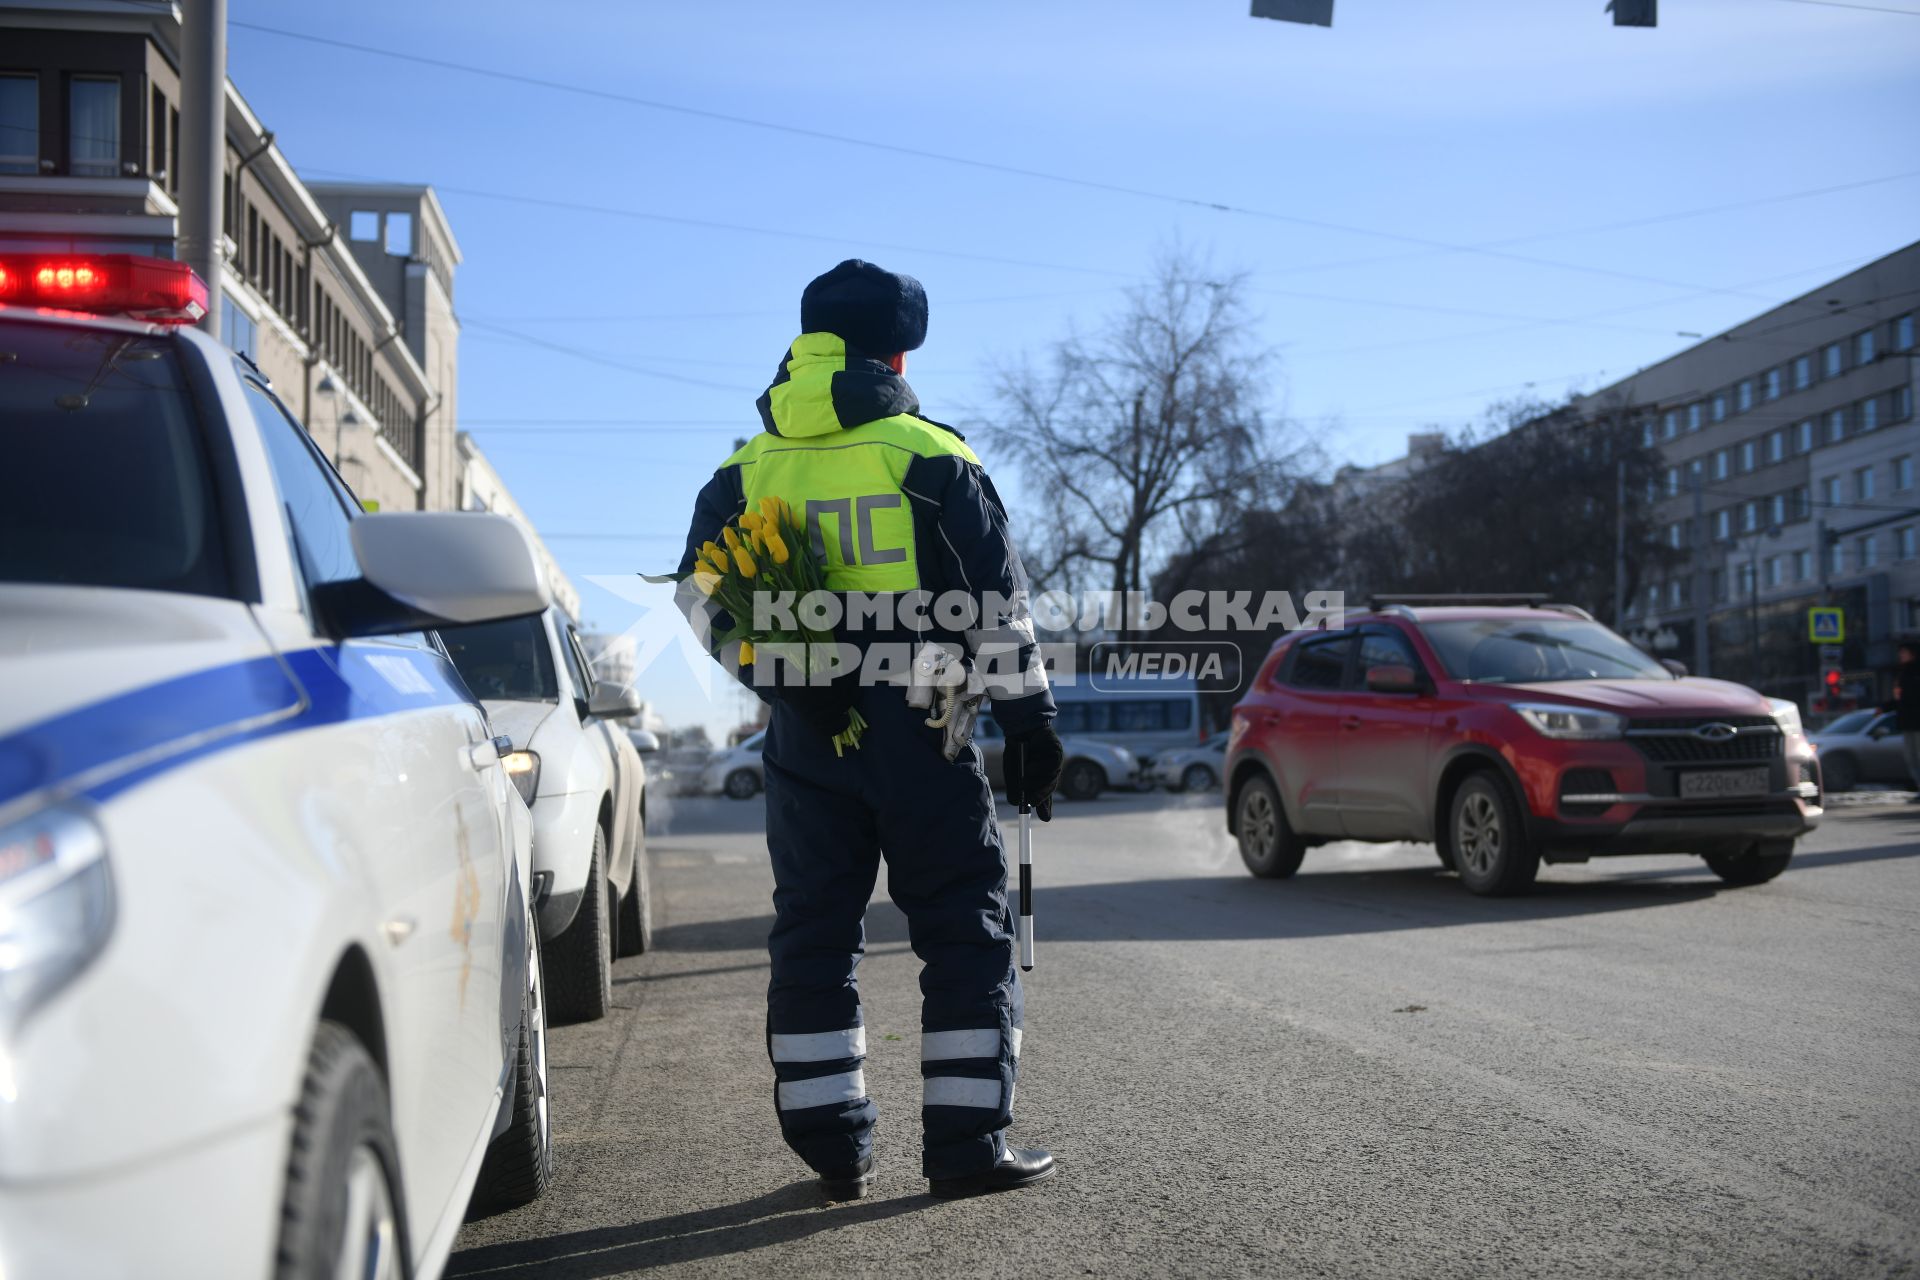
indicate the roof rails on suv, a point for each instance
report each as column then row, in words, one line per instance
column 1404, row 604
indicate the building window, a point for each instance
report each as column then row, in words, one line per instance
column 1833, row 491
column 1746, row 578
column 1693, row 416
column 1802, row 502
column 1836, row 558
column 1723, row 523
column 1670, row 424
column 1835, row 360
column 1802, row 372
column 19, row 124
column 1869, row 415
column 1773, row 571
column 1775, row 384
column 1720, row 406
column 1803, row 437
column 1901, row 407
column 1777, row 446
column 1673, row 481
column 1653, row 596
column 363, row 224
column 1863, row 483
column 400, row 235
column 1868, row 549
column 1749, row 516
column 1677, row 592
column 1749, row 455
column 1863, row 347
column 1836, row 426
column 1743, row 396
column 1909, row 544
column 1903, row 472
column 1777, row 508
column 237, row 329
column 1717, row 583
column 1646, row 433
column 1802, row 565
column 93, row 141
column 1903, row 332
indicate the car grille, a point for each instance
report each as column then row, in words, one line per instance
column 1675, row 741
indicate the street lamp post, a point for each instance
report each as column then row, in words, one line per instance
column 1772, row 531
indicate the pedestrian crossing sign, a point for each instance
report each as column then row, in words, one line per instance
column 1826, row 625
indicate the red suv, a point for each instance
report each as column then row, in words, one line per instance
column 1506, row 733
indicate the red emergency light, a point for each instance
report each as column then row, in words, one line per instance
column 155, row 289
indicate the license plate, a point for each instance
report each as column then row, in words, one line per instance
column 1719, row 783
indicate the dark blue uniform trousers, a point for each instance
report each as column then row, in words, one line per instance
column 829, row 821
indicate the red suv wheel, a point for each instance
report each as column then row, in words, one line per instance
column 1489, row 837
column 1267, row 844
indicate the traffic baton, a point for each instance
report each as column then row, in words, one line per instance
column 1026, row 888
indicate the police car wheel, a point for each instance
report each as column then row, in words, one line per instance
column 1267, row 844
column 579, row 963
column 1488, row 839
column 1757, row 863
column 1196, row 778
column 742, row 784
column 519, row 1163
column 1083, row 780
column 339, row 1204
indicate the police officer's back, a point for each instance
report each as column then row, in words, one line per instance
column 895, row 505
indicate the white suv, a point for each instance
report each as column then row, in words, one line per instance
column 269, row 997
column 583, row 780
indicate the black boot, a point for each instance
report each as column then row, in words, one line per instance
column 851, row 1185
column 1017, row 1168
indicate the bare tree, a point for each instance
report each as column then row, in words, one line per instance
column 1148, row 437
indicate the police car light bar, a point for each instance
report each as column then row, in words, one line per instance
column 159, row 290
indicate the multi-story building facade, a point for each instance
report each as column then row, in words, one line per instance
column 1789, row 446
column 343, row 296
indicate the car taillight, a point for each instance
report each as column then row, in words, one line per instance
column 154, row 289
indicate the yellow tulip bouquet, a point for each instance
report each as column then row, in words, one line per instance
column 766, row 553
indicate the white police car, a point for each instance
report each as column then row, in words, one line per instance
column 270, row 1000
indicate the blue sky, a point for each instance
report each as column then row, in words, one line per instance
column 1526, row 122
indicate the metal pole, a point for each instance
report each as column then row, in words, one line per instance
column 1701, row 666
column 1620, row 544
column 203, row 145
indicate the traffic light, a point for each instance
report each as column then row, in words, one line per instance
column 1833, row 682
column 1317, row 13
column 1633, row 13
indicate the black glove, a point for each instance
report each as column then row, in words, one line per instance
column 1032, row 763
column 823, row 706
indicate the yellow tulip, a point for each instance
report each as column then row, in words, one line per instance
column 777, row 548
column 751, row 520
column 759, row 540
column 731, row 538
column 711, row 548
column 770, row 508
column 746, row 653
column 707, row 583
column 718, row 565
column 744, row 558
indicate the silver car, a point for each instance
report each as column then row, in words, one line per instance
column 1861, row 746
column 1090, row 767
column 1192, row 768
column 736, row 772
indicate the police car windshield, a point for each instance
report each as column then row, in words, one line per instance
column 106, row 482
column 1536, row 650
column 505, row 660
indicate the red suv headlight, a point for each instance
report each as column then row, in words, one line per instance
column 1552, row 720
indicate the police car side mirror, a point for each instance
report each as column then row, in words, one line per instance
column 433, row 568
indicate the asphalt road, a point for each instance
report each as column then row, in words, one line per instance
column 1362, row 1071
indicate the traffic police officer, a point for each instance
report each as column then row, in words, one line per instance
column 895, row 503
